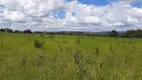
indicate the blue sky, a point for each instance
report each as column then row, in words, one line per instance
column 96, row 2
column 137, row 4
column 1, row 6
column 105, row 2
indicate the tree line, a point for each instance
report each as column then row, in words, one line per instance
column 130, row 33
column 28, row 31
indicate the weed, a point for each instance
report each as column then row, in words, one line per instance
column 60, row 48
column 79, row 62
column 41, row 60
column 78, row 40
column 24, row 61
column 97, row 50
column 51, row 37
column 38, row 44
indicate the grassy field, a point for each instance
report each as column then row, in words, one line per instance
column 66, row 57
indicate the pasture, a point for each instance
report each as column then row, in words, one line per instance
column 69, row 57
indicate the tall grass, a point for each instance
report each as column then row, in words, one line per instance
column 64, row 57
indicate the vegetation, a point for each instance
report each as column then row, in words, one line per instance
column 17, row 31
column 113, row 33
column 6, row 30
column 38, row 44
column 133, row 33
column 27, row 31
column 69, row 57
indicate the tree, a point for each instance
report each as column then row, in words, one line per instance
column 2, row 30
column 9, row 30
column 133, row 33
column 113, row 33
column 17, row 31
column 6, row 30
column 128, row 33
column 28, row 31
column 137, row 33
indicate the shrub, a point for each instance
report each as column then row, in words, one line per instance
column 17, row 31
column 38, row 44
column 60, row 48
column 2, row 30
column 6, row 30
column 78, row 40
column 97, row 50
column 9, row 30
column 28, row 31
column 113, row 33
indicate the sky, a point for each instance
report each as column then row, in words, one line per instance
column 71, row 15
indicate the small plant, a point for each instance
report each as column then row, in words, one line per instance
column 51, row 37
column 24, row 61
column 83, row 71
column 93, row 53
column 38, row 44
column 80, row 64
column 67, row 48
column 77, row 57
column 60, row 48
column 111, row 48
column 78, row 40
column 42, row 36
column 97, row 50
column 64, row 41
column 100, row 72
column 41, row 60
column 90, row 58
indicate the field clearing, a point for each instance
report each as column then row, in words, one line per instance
column 66, row 57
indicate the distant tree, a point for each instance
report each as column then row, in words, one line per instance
column 39, row 32
column 9, row 30
column 137, row 33
column 113, row 33
column 28, row 31
column 2, row 30
column 133, row 33
column 17, row 31
column 128, row 33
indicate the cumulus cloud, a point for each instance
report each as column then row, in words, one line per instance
column 42, row 15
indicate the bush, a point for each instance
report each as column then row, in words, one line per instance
column 113, row 33
column 133, row 33
column 9, row 30
column 28, row 31
column 17, row 31
column 38, row 44
column 6, row 30
column 2, row 30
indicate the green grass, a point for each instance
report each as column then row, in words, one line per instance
column 81, row 58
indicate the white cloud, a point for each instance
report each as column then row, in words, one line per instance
column 14, row 16
column 40, row 15
column 40, row 7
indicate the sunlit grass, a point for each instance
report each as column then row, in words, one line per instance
column 97, row 58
